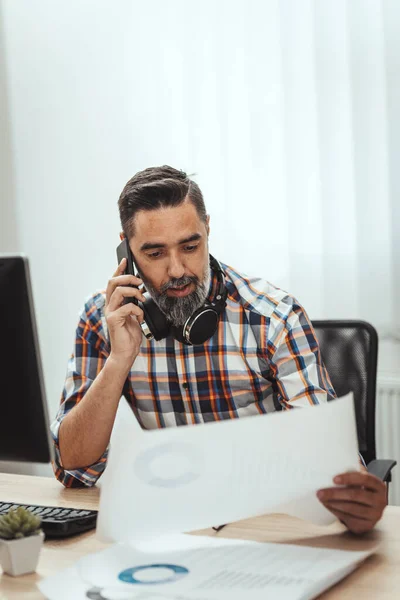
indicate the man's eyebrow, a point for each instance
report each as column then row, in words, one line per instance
column 153, row 246
column 193, row 238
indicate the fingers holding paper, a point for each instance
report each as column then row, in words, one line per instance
column 358, row 500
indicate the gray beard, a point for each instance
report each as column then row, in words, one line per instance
column 179, row 310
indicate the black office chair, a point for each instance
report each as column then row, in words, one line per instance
column 349, row 350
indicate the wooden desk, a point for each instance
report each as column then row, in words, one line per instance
column 377, row 578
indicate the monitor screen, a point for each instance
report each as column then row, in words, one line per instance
column 24, row 425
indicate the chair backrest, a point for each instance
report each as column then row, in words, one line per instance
column 350, row 351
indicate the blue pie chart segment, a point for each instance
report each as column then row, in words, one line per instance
column 139, row 575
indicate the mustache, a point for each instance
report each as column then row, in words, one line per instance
column 179, row 282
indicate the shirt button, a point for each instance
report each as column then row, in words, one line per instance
column 185, row 385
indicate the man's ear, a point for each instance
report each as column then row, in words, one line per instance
column 121, row 236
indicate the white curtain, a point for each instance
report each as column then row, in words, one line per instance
column 287, row 111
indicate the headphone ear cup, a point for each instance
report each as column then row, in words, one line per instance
column 155, row 319
column 201, row 326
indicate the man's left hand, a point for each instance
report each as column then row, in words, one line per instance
column 358, row 501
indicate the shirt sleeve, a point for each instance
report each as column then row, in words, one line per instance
column 296, row 363
column 89, row 356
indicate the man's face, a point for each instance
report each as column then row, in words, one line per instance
column 170, row 246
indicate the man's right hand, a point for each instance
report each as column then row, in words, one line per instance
column 123, row 319
column 85, row 431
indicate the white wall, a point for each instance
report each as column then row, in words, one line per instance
column 287, row 110
column 8, row 224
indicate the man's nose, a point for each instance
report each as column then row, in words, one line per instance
column 176, row 268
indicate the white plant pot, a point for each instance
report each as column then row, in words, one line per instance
column 20, row 556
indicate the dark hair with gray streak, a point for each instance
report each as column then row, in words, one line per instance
column 157, row 187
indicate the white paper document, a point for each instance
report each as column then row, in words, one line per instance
column 184, row 478
column 201, row 568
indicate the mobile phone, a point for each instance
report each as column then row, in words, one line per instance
column 123, row 251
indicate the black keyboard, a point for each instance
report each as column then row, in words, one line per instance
column 58, row 521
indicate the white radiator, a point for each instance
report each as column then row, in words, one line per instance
column 388, row 428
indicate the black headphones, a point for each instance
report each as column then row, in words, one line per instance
column 199, row 327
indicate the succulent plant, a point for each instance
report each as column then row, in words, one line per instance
column 19, row 523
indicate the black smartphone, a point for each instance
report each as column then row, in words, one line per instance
column 123, row 251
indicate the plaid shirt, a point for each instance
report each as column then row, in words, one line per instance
column 263, row 357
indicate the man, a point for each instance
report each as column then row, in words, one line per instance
column 262, row 357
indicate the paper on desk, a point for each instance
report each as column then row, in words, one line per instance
column 184, row 478
column 201, row 568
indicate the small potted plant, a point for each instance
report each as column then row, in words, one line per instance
column 21, row 539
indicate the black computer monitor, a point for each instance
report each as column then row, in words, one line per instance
column 24, row 423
